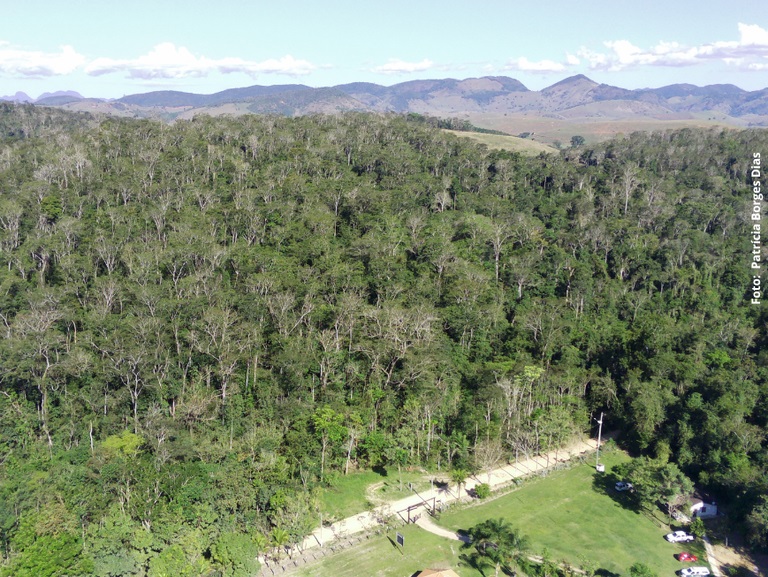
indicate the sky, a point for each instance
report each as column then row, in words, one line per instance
column 109, row 49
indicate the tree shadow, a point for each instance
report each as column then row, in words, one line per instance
column 605, row 484
column 380, row 470
column 606, row 573
column 738, row 570
column 473, row 560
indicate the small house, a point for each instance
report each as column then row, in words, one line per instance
column 438, row 573
column 703, row 509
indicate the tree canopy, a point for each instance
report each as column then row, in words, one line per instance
column 201, row 320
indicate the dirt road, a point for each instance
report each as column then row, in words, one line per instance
column 416, row 502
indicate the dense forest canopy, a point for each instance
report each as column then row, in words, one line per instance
column 204, row 322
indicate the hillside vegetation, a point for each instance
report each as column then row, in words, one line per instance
column 203, row 324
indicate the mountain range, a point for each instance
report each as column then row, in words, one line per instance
column 576, row 97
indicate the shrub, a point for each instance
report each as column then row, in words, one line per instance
column 482, row 490
column 697, row 528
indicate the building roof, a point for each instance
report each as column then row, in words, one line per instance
column 438, row 573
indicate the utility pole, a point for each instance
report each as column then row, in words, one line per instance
column 599, row 436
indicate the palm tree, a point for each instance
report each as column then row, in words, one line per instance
column 279, row 539
column 458, row 476
column 260, row 541
column 496, row 540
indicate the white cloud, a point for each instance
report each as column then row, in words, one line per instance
column 167, row 60
column 394, row 66
column 542, row 66
column 752, row 34
column 18, row 62
column 750, row 51
column 572, row 60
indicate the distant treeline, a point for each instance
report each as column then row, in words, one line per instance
column 457, row 124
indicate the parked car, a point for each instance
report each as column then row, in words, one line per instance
column 679, row 537
column 687, row 557
column 694, row 571
column 623, row 486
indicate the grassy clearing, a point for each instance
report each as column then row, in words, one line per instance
column 576, row 513
column 380, row 558
column 548, row 129
column 351, row 494
column 570, row 514
column 512, row 143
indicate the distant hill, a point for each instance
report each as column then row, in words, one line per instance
column 577, row 98
column 57, row 98
column 18, row 97
column 172, row 98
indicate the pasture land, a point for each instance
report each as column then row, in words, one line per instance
column 548, row 129
column 576, row 513
column 512, row 143
column 569, row 515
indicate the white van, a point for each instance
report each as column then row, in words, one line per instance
column 695, row 572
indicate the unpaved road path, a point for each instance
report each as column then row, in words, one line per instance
column 425, row 522
column 495, row 478
column 713, row 562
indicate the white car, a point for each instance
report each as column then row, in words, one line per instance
column 695, row 571
column 680, row 537
column 623, row 486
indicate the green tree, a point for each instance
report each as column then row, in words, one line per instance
column 51, row 556
column 374, row 448
column 641, row 570
column 236, row 554
column 279, row 539
column 757, row 524
column 656, row 482
column 171, row 562
column 697, row 528
column 329, row 427
column 459, row 476
column 495, row 540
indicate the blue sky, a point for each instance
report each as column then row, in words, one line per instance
column 109, row 49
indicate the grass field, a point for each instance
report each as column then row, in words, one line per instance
column 548, row 129
column 576, row 513
column 357, row 492
column 502, row 142
column 571, row 514
column 379, row 557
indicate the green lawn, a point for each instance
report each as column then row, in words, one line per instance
column 575, row 513
column 351, row 494
column 571, row 514
column 378, row 557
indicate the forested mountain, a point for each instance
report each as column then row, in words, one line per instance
column 203, row 323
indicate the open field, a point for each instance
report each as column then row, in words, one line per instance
column 549, row 129
column 501, row 142
column 354, row 493
column 570, row 514
column 576, row 512
column 379, row 557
